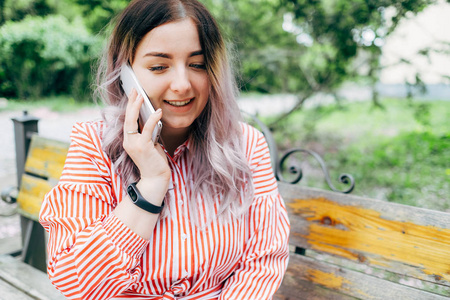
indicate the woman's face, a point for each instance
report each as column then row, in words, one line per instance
column 170, row 66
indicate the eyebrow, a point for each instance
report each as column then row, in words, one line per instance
column 165, row 55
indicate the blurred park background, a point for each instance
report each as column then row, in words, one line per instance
column 365, row 83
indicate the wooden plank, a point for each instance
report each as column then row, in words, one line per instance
column 10, row 244
column 46, row 157
column 390, row 236
column 295, row 288
column 339, row 280
column 402, row 278
column 8, row 292
column 388, row 210
column 31, row 195
column 27, row 279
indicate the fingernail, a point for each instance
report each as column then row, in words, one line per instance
column 158, row 111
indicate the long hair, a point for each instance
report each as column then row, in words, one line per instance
column 218, row 165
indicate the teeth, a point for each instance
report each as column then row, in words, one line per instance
column 178, row 103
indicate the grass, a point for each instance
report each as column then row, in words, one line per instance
column 400, row 153
column 55, row 103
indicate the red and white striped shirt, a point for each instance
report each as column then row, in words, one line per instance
column 93, row 255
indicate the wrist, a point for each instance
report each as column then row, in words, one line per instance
column 153, row 189
column 139, row 200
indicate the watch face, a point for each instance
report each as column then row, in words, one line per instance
column 132, row 193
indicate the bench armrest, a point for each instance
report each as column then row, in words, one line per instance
column 9, row 194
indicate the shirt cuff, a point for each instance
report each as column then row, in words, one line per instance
column 122, row 236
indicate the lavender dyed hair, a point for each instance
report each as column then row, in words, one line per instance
column 218, row 162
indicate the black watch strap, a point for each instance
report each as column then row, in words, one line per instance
column 140, row 201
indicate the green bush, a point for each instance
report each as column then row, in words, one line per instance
column 42, row 56
column 399, row 154
column 411, row 168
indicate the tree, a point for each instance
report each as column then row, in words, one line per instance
column 355, row 30
column 98, row 13
column 16, row 10
column 309, row 46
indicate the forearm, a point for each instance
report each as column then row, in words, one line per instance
column 138, row 220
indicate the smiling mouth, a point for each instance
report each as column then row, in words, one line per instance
column 179, row 103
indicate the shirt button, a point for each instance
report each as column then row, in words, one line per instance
column 185, row 273
column 184, row 237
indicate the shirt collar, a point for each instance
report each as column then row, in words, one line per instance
column 181, row 149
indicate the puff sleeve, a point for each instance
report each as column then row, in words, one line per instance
column 92, row 254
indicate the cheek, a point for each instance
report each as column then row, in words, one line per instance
column 154, row 87
column 202, row 84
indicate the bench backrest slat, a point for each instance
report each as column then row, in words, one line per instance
column 43, row 167
column 46, row 157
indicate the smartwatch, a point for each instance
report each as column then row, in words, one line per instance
column 137, row 199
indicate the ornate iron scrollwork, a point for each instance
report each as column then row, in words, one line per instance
column 343, row 178
column 277, row 164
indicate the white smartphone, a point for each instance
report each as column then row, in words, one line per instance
column 129, row 81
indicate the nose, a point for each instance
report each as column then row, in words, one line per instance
column 181, row 83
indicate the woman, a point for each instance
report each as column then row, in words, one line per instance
column 211, row 223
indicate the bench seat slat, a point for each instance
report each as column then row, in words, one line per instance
column 400, row 276
column 295, row 287
column 28, row 279
column 8, row 292
column 349, row 283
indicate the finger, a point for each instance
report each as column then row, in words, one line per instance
column 149, row 126
column 131, row 98
column 132, row 111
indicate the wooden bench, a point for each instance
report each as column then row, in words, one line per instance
column 20, row 281
column 348, row 247
column 342, row 246
column 42, row 170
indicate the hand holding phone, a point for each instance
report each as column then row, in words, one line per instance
column 129, row 81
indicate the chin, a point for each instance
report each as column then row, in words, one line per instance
column 178, row 125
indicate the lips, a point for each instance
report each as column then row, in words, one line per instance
column 179, row 103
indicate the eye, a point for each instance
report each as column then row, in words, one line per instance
column 200, row 66
column 157, row 68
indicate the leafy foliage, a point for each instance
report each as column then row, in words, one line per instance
column 42, row 55
column 392, row 154
column 98, row 13
column 262, row 49
column 16, row 10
